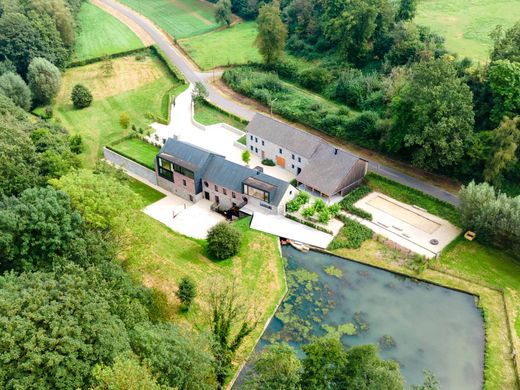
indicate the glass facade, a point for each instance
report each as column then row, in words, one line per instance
column 166, row 169
column 256, row 193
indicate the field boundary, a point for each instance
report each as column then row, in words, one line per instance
column 88, row 61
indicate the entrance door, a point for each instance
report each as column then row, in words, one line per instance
column 206, row 195
column 280, row 161
column 263, row 155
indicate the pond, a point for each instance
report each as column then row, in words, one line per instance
column 420, row 325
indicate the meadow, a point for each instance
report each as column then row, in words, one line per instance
column 230, row 46
column 136, row 86
column 101, row 34
column 466, row 24
column 179, row 18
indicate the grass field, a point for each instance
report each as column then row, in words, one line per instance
column 209, row 115
column 100, row 34
column 179, row 18
column 137, row 150
column 161, row 257
column 231, row 46
column 466, row 24
column 136, row 87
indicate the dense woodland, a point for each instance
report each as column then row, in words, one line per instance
column 402, row 93
column 72, row 317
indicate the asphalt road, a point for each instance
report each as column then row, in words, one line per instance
column 232, row 106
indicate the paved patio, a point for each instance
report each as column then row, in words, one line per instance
column 219, row 138
column 192, row 220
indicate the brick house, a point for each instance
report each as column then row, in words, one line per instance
column 317, row 165
column 194, row 174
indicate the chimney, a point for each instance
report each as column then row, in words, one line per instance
column 335, row 151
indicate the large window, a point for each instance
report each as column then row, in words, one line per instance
column 256, row 193
column 165, row 169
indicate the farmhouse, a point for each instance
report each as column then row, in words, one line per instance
column 317, row 165
column 194, row 173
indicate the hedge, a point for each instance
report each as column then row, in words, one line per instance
column 347, row 203
column 92, row 60
column 352, row 234
column 174, row 71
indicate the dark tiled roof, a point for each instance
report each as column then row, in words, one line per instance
column 327, row 169
column 184, row 154
column 231, row 176
column 288, row 137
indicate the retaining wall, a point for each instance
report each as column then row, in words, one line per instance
column 130, row 166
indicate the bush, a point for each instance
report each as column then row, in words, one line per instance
column 124, row 120
column 268, row 162
column 81, row 96
column 324, row 216
column 76, row 144
column 295, row 204
column 347, row 203
column 308, row 212
column 319, row 205
column 186, row 293
column 315, row 78
column 223, row 241
column 352, row 234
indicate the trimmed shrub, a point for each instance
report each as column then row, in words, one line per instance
column 223, row 241
column 81, row 96
column 352, row 234
column 268, row 162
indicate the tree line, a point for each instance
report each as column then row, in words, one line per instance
column 418, row 102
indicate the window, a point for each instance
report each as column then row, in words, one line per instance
column 263, row 143
column 251, row 147
column 293, row 156
column 256, row 193
column 217, row 199
column 280, row 151
column 206, row 184
column 256, row 150
column 216, row 188
column 233, row 195
column 224, row 191
column 191, row 198
column 169, row 166
column 256, row 139
column 299, row 159
column 184, row 182
column 293, row 166
column 251, row 138
column 165, row 169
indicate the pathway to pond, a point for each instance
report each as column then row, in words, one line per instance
column 421, row 325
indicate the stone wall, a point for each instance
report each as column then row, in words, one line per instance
column 130, row 166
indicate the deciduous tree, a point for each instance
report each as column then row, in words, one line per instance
column 407, row 9
column 13, row 86
column 503, row 150
column 223, row 241
column 504, row 81
column 223, row 13
column 44, row 80
column 272, row 33
column 81, row 96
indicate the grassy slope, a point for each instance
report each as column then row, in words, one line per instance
column 101, row 34
column 99, row 123
column 466, row 24
column 229, row 46
column 179, row 18
column 208, row 115
column 140, row 151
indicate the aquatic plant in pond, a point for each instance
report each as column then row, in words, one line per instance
column 420, row 325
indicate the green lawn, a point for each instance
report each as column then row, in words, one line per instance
column 210, row 115
column 100, row 34
column 179, row 18
column 135, row 87
column 466, row 24
column 230, row 46
column 411, row 196
column 137, row 150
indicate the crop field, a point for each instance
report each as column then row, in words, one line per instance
column 101, row 34
column 230, row 46
column 136, row 87
column 179, row 18
column 466, row 24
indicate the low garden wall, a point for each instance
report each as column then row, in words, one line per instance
column 129, row 165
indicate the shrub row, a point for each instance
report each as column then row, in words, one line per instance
column 308, row 223
column 173, row 70
column 230, row 115
column 364, row 129
column 75, row 64
column 352, row 234
column 347, row 203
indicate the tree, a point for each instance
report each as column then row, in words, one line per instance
column 223, row 241
column 226, row 314
column 503, row 151
column 272, row 33
column 60, row 13
column 276, row 367
column 186, row 292
column 506, row 44
column 76, row 144
column 40, row 228
column 125, row 374
column 55, row 327
column 44, row 80
column 504, row 81
column 407, row 9
column 223, row 13
column 52, row 47
column 81, row 96
column 246, row 157
column 178, row 358
column 433, row 116
column 200, row 93
column 13, row 86
column 124, row 120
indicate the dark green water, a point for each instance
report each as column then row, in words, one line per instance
column 433, row 328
